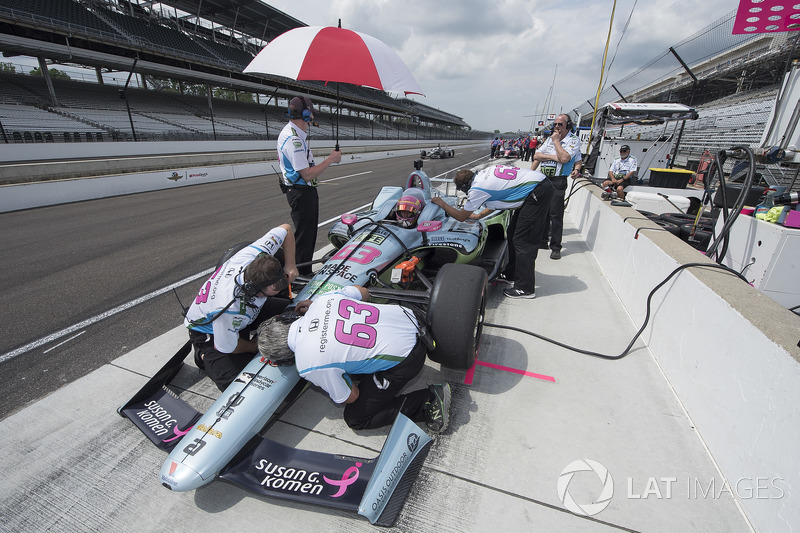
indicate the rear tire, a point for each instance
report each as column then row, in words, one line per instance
column 680, row 219
column 455, row 314
column 702, row 236
column 669, row 226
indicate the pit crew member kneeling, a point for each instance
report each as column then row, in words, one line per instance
column 341, row 337
column 238, row 297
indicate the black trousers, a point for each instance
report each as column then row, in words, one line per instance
column 376, row 407
column 531, row 218
column 221, row 367
column 555, row 220
column 304, row 202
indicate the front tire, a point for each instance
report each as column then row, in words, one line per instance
column 455, row 314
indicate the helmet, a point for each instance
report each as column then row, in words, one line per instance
column 408, row 209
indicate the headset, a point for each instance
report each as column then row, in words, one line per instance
column 247, row 292
column 250, row 289
column 570, row 124
column 304, row 112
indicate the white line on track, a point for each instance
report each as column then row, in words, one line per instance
column 64, row 342
column 348, row 176
column 326, row 222
column 97, row 318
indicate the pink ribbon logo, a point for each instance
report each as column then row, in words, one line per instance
column 178, row 433
column 348, row 478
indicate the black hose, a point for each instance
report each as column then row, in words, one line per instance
column 644, row 324
column 575, row 189
column 737, row 206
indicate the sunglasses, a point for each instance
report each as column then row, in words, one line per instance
column 558, row 123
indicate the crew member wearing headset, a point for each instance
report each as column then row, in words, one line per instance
column 559, row 157
column 235, row 300
column 299, row 176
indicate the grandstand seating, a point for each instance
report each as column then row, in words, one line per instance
column 90, row 108
column 27, row 119
column 167, row 40
column 169, row 37
column 58, row 13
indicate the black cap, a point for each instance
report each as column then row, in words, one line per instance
column 624, row 148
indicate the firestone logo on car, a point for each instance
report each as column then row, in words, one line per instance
column 412, row 442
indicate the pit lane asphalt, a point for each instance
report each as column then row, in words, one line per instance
column 65, row 264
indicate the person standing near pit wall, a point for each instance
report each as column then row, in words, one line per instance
column 299, row 177
column 559, row 157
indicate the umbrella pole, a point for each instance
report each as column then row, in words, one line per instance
column 338, row 106
column 338, row 112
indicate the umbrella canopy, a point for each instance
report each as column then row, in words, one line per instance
column 324, row 53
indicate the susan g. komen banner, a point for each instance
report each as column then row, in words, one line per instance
column 162, row 417
column 272, row 469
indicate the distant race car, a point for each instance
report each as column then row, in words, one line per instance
column 511, row 153
column 438, row 269
column 438, row 152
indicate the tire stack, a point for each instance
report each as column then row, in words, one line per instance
column 680, row 225
column 668, row 226
column 702, row 233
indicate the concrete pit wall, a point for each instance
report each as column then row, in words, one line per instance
column 729, row 352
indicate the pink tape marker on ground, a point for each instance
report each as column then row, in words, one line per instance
column 471, row 372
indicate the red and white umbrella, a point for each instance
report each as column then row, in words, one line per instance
column 325, row 53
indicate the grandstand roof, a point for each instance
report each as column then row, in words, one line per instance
column 111, row 33
column 251, row 17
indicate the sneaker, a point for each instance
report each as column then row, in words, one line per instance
column 502, row 278
column 555, row 254
column 438, row 409
column 517, row 293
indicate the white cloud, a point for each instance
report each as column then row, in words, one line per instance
column 492, row 62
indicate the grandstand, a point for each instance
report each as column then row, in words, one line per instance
column 207, row 46
column 732, row 81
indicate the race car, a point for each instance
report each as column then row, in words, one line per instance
column 511, row 152
column 438, row 269
column 438, row 152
